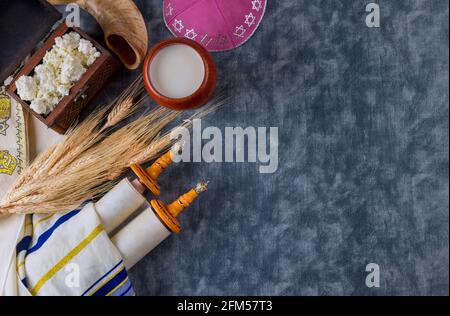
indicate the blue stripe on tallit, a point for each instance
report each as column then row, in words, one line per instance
column 111, row 284
column 127, row 291
column 48, row 233
column 23, row 244
column 104, row 276
column 121, row 291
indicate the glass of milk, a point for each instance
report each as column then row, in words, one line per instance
column 179, row 73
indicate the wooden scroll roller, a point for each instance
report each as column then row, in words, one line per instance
column 147, row 178
column 153, row 225
column 168, row 213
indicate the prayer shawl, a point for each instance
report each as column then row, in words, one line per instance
column 60, row 254
column 13, row 141
column 67, row 254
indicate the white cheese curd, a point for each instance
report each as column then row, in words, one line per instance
column 41, row 106
column 63, row 90
column 68, row 42
column 26, row 88
column 88, row 52
column 62, row 66
column 71, row 69
column 46, row 78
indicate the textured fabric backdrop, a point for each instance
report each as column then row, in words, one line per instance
column 363, row 177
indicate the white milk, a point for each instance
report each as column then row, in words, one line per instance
column 177, row 71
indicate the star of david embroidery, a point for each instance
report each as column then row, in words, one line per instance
column 190, row 34
column 239, row 31
column 250, row 19
column 169, row 9
column 3, row 127
column 205, row 40
column 178, row 25
column 256, row 5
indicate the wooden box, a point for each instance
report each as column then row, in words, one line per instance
column 96, row 76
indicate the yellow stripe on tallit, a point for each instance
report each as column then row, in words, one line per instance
column 35, row 225
column 119, row 269
column 50, row 273
column 39, row 222
column 20, row 265
column 114, row 289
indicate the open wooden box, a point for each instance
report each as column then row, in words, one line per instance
column 96, row 76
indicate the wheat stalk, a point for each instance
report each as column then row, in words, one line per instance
column 166, row 140
column 93, row 155
column 126, row 104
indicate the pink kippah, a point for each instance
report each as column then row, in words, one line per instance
column 216, row 24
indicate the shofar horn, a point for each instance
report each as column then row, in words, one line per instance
column 123, row 26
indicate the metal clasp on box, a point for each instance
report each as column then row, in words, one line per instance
column 81, row 94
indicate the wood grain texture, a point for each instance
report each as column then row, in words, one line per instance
column 95, row 77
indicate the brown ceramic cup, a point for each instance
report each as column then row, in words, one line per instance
column 196, row 99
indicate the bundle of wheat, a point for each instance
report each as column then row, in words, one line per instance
column 93, row 155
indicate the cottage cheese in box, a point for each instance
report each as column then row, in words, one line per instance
column 61, row 68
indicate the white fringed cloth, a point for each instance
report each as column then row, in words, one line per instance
column 63, row 254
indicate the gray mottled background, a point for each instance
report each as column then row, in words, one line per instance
column 363, row 176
